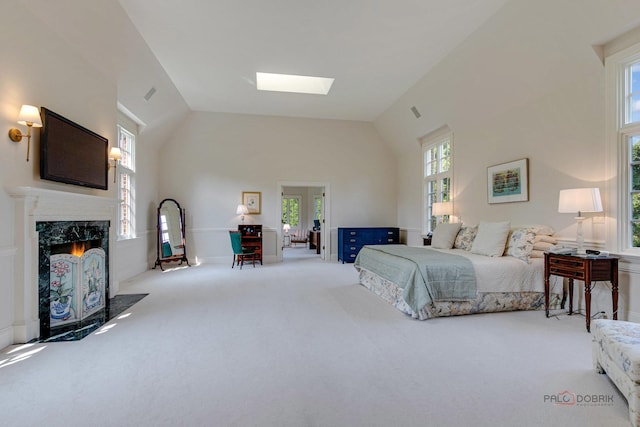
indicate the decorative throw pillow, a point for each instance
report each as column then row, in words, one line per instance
column 520, row 244
column 542, row 246
column 465, row 237
column 545, row 239
column 536, row 254
column 491, row 238
column 444, row 235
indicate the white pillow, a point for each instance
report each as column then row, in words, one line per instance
column 444, row 235
column 491, row 238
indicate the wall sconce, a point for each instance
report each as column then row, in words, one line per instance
column 114, row 154
column 30, row 117
column 580, row 200
column 242, row 210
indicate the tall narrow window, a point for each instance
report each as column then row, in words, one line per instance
column 126, row 184
column 436, row 184
column 317, row 207
column 291, row 210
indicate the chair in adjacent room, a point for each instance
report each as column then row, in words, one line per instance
column 240, row 253
column 299, row 236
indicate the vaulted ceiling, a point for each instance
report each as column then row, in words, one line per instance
column 375, row 49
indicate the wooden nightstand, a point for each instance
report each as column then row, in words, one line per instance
column 586, row 268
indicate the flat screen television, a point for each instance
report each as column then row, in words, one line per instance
column 72, row 154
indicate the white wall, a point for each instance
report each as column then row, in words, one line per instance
column 528, row 84
column 75, row 57
column 218, row 156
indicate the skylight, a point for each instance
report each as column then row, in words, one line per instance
column 292, row 83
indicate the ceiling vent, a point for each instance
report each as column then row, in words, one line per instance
column 150, row 93
column 415, row 112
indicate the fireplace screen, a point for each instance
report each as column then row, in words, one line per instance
column 77, row 285
column 73, row 275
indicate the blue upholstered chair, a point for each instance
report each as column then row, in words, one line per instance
column 240, row 253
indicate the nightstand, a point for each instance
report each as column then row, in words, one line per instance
column 587, row 268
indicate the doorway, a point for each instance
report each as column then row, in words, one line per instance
column 303, row 213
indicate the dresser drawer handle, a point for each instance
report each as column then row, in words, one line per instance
column 389, row 240
column 353, row 233
column 352, row 240
column 352, row 255
column 389, row 232
column 352, row 248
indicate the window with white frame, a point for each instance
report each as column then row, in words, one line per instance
column 317, row 207
column 623, row 71
column 126, row 184
column 436, row 185
column 291, row 210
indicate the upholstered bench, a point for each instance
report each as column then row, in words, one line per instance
column 616, row 352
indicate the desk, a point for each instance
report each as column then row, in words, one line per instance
column 314, row 241
column 587, row 269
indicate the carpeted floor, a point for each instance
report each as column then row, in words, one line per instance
column 301, row 343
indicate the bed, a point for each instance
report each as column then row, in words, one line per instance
column 464, row 282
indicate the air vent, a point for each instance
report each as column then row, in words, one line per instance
column 150, row 93
column 415, row 112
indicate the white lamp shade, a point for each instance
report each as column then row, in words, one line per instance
column 30, row 115
column 242, row 210
column 115, row 153
column 286, row 228
column 579, row 200
column 442, row 208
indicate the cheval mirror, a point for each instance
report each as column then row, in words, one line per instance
column 171, row 242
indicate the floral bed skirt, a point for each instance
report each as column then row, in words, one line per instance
column 485, row 302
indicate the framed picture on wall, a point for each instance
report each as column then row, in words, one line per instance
column 508, row 182
column 251, row 199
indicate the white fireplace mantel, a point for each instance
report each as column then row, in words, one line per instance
column 31, row 205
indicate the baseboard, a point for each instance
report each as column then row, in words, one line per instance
column 6, row 337
column 633, row 317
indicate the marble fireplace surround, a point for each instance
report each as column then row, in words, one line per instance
column 32, row 205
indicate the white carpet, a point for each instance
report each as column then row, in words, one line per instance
column 302, row 344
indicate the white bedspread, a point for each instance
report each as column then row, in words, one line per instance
column 506, row 273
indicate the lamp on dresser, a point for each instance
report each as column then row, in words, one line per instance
column 580, row 200
column 242, row 210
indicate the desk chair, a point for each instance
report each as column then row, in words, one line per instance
column 240, row 253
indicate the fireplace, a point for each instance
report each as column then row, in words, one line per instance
column 73, row 275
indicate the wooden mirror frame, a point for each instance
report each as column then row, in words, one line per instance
column 177, row 257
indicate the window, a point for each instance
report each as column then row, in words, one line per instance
column 317, row 208
column 291, row 210
column 436, row 184
column 623, row 127
column 126, row 184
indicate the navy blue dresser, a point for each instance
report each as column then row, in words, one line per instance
column 351, row 240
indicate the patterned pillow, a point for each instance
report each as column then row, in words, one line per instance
column 465, row 237
column 520, row 243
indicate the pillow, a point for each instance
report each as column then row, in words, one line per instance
column 545, row 239
column 536, row 254
column 542, row 246
column 444, row 235
column 520, row 243
column 465, row 237
column 491, row 238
